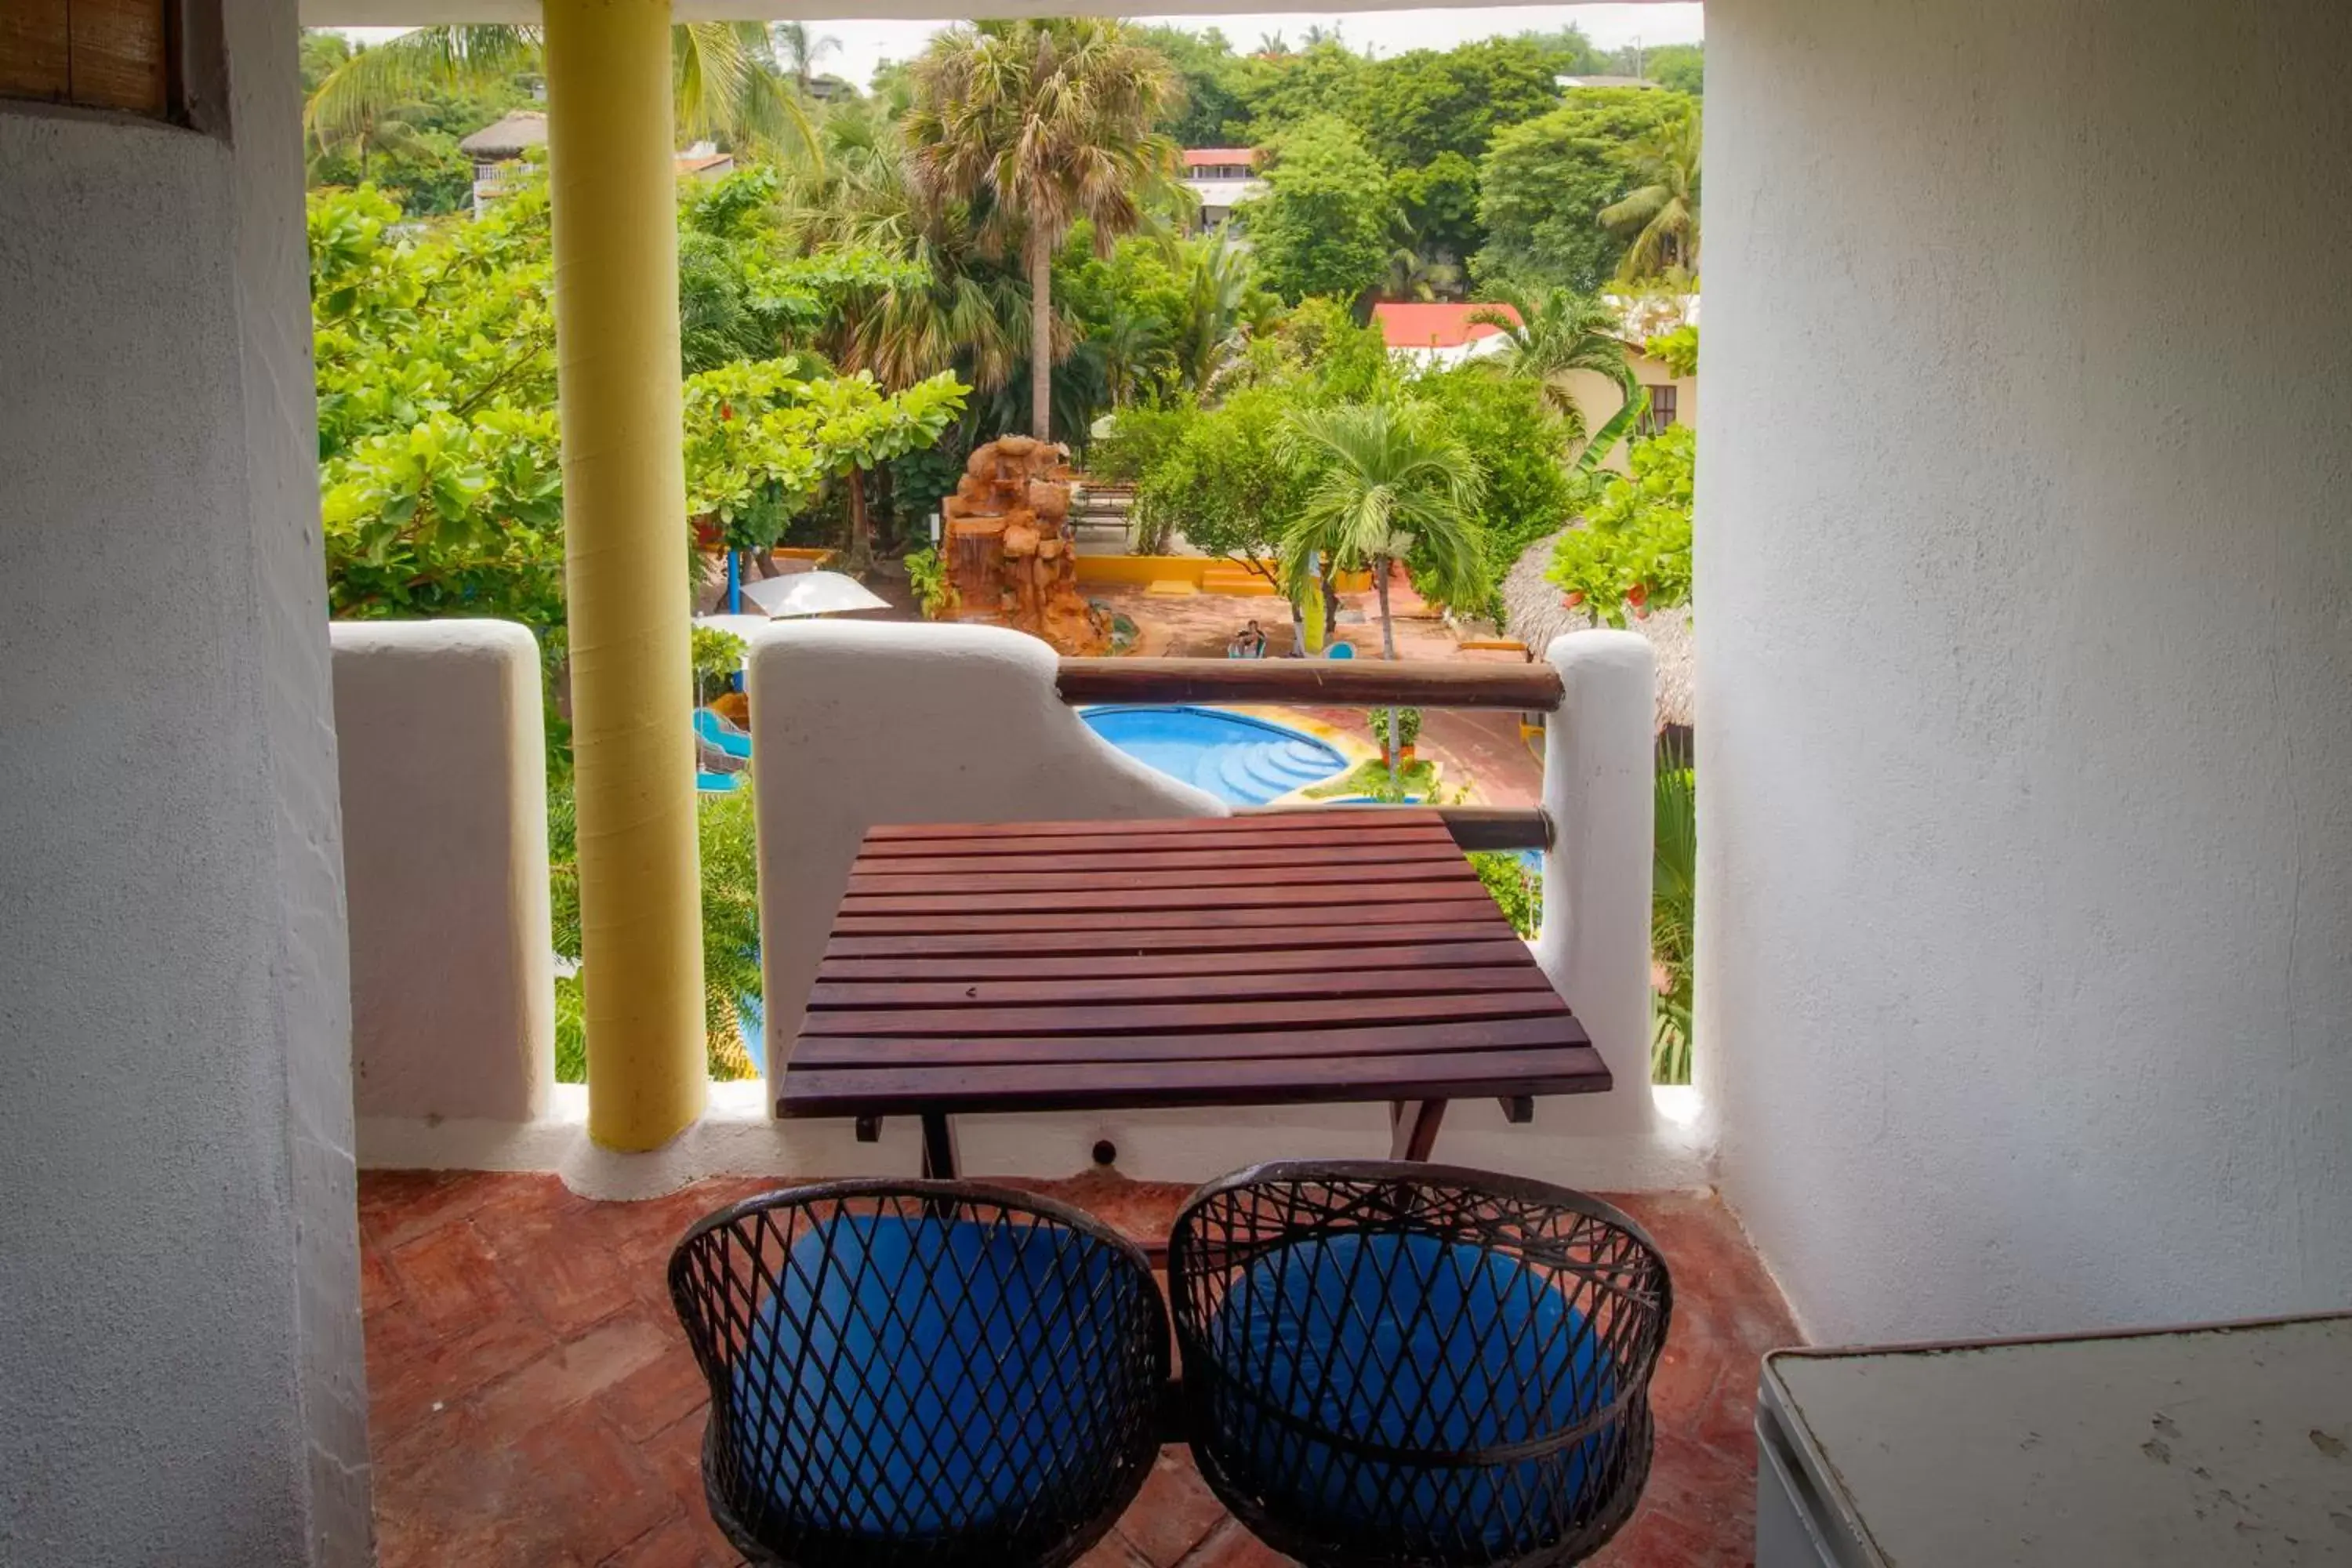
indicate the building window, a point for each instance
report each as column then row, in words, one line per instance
column 1661, row 410
column 132, row 57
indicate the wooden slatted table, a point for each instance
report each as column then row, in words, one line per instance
column 1341, row 956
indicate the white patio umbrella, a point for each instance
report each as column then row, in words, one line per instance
column 734, row 626
column 810, row 594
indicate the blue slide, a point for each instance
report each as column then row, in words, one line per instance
column 716, row 731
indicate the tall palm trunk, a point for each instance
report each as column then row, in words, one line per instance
column 1393, row 751
column 861, row 523
column 1040, row 335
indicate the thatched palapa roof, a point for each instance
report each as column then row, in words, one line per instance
column 1533, row 614
column 510, row 137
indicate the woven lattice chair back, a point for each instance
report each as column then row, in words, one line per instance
column 921, row 1374
column 1392, row 1365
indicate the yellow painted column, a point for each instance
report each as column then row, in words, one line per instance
column 610, row 164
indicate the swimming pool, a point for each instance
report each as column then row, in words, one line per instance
column 1240, row 760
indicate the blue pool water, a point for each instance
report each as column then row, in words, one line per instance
column 1241, row 761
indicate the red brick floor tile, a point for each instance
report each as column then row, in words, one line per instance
column 683, row 1542
column 413, row 1374
column 400, row 1205
column 598, row 1360
column 1230, row 1546
column 569, row 1284
column 657, row 1395
column 1173, row 1514
column 449, row 1277
column 533, row 1401
column 676, row 1452
column 1110, row 1551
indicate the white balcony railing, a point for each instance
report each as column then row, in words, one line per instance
column 860, row 723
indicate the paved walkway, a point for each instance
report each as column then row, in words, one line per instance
column 534, row 1404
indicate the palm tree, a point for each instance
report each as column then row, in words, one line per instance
column 1412, row 276
column 1216, row 275
column 386, row 127
column 1662, row 210
column 1030, row 126
column 727, row 80
column 1549, row 335
column 1391, row 478
column 860, row 191
column 802, row 49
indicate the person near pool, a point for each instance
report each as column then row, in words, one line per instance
column 1248, row 643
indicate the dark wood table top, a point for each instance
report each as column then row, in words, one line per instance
column 1343, row 955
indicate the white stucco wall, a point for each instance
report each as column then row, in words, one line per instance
column 181, row 1378
column 1600, row 400
column 854, row 723
column 442, row 758
column 2025, row 642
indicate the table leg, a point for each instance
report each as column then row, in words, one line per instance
column 938, row 1147
column 1413, row 1125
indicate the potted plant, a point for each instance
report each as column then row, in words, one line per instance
column 1398, row 754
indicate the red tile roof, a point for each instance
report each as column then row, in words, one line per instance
column 1409, row 326
column 1210, row 157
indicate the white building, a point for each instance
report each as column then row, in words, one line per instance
column 1222, row 178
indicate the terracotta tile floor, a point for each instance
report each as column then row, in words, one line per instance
column 534, row 1403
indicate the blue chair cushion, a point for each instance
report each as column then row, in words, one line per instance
column 1410, row 1341
column 910, row 1377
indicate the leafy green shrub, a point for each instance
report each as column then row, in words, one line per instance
column 934, row 585
column 1408, row 726
column 717, row 656
column 1634, row 553
column 731, row 925
column 1139, row 438
column 1677, row 350
column 1517, row 888
column 1673, row 888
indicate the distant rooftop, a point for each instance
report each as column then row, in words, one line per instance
column 1440, row 326
column 1576, row 81
column 1212, row 157
column 516, row 134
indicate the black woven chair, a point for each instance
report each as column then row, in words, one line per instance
column 1392, row 1365
column 924, row 1374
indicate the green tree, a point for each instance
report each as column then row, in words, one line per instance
column 1519, row 447
column 1676, row 349
column 1322, row 226
column 1211, row 106
column 1226, row 481
column 1438, row 204
column 798, row 47
column 1284, row 89
column 1548, row 336
column 1678, row 68
column 440, row 473
column 1661, row 212
column 1416, row 106
column 1542, row 184
column 1390, row 482
column 1634, row 553
column 1033, row 125
column 405, row 143
column 725, row 78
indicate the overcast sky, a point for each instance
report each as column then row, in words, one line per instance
column 865, row 45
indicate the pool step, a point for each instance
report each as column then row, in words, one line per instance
column 1258, row 774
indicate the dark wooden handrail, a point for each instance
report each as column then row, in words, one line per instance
column 1473, row 827
column 1352, row 683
